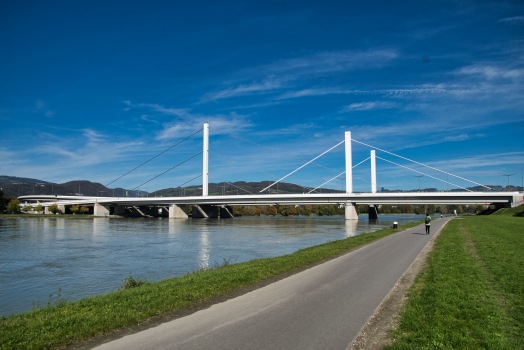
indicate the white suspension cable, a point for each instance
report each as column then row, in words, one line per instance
column 231, row 184
column 338, row 175
column 424, row 174
column 338, row 144
column 442, row 171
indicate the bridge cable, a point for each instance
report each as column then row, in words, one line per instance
column 338, row 144
column 338, row 175
column 196, row 177
column 424, row 174
column 396, row 155
column 231, row 184
column 176, row 144
column 169, row 170
column 242, row 164
column 286, row 154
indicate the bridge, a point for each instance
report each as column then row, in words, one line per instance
column 206, row 206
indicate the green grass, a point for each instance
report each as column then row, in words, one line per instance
column 510, row 211
column 67, row 323
column 470, row 294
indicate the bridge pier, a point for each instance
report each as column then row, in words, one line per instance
column 205, row 211
column 351, row 211
column 178, row 211
column 226, row 212
column 100, row 209
column 373, row 211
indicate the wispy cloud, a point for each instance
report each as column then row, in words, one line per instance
column 187, row 122
column 492, row 72
column 512, row 21
column 41, row 107
column 275, row 76
column 366, row 106
column 244, row 89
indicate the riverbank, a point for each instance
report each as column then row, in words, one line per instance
column 66, row 323
column 470, row 294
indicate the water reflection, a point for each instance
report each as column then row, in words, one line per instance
column 205, row 246
column 351, row 228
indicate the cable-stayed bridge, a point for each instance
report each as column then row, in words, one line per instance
column 207, row 206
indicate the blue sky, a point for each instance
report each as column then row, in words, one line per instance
column 89, row 90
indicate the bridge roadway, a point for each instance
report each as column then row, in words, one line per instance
column 324, row 307
column 437, row 198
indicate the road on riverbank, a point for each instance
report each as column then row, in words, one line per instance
column 324, row 307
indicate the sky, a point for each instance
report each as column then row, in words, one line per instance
column 90, row 90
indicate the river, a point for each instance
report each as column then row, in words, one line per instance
column 89, row 256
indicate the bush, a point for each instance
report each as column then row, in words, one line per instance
column 27, row 208
column 53, row 208
column 131, row 282
column 13, row 206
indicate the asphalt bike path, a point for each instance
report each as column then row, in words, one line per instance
column 323, row 307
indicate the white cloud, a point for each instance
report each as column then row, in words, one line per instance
column 366, row 106
column 284, row 71
column 187, row 122
column 244, row 89
column 513, row 21
column 491, row 72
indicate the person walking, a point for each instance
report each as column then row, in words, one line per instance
column 428, row 223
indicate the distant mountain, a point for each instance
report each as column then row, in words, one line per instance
column 18, row 186
column 4, row 179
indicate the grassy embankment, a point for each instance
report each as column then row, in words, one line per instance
column 66, row 323
column 470, row 294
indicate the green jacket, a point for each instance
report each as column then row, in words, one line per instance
column 428, row 223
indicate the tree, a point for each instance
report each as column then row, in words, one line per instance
column 272, row 211
column 74, row 208
column 307, row 210
column 39, row 207
column 27, row 208
column 3, row 202
column 84, row 209
column 13, row 205
column 53, row 208
column 479, row 209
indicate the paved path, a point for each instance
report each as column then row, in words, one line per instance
column 321, row 308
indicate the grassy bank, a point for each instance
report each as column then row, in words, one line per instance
column 509, row 211
column 66, row 323
column 470, row 294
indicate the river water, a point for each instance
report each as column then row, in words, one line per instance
column 90, row 256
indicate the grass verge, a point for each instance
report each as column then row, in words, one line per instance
column 470, row 293
column 510, row 211
column 63, row 324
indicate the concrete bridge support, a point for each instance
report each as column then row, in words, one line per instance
column 178, row 211
column 351, row 211
column 205, row 211
column 226, row 212
column 373, row 212
column 100, row 210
